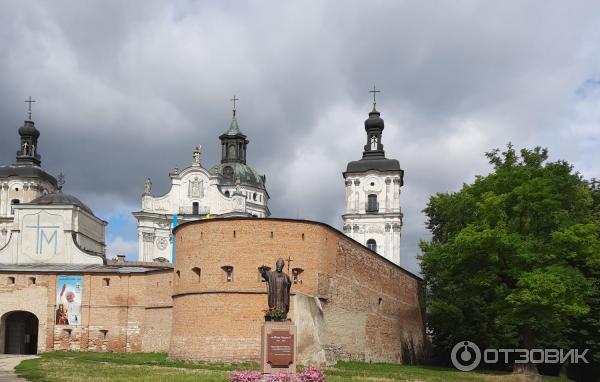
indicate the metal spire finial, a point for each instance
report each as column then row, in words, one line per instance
column 374, row 91
column 234, row 99
column 29, row 101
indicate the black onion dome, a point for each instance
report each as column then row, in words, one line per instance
column 61, row 199
column 373, row 155
column 28, row 129
column 374, row 121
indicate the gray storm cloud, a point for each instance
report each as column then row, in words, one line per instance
column 125, row 89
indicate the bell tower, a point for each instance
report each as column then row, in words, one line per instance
column 373, row 215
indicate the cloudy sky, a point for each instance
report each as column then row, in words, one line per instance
column 125, row 89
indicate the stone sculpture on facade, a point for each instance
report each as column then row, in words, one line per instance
column 197, row 151
column 147, row 186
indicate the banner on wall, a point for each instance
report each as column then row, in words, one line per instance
column 68, row 300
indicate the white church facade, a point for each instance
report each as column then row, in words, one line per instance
column 39, row 224
column 229, row 189
column 373, row 215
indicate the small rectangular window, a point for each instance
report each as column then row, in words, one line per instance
column 106, row 281
column 10, row 280
column 104, row 333
column 67, row 333
column 32, row 281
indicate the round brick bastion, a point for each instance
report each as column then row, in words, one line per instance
column 347, row 302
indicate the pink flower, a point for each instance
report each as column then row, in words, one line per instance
column 245, row 376
column 309, row 374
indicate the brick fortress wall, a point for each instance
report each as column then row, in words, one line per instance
column 349, row 303
column 130, row 314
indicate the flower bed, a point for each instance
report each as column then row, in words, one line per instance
column 309, row 374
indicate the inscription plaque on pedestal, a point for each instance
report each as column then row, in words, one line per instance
column 280, row 348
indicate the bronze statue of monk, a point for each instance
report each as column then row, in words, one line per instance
column 278, row 287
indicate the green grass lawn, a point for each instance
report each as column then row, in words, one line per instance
column 154, row 367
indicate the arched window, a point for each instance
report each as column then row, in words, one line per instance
column 195, row 208
column 231, row 152
column 372, row 245
column 197, row 273
column 254, row 196
column 372, row 205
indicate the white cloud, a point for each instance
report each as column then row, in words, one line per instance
column 120, row 246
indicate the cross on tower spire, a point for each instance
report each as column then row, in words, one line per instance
column 29, row 101
column 60, row 180
column 234, row 99
column 374, row 91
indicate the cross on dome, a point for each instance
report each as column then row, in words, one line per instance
column 29, row 101
column 234, row 99
column 374, row 91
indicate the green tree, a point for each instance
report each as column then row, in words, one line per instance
column 514, row 257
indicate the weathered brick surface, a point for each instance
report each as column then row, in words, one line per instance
column 26, row 297
column 370, row 307
column 114, row 317
column 156, row 334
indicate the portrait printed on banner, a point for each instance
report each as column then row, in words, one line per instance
column 68, row 300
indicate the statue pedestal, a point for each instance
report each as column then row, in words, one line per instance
column 278, row 347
